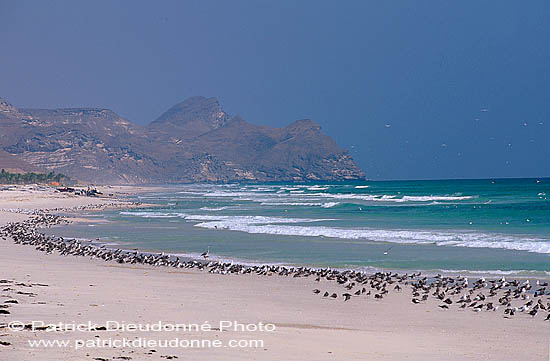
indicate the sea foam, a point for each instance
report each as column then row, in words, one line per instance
column 288, row 227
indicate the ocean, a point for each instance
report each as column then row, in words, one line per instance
column 493, row 227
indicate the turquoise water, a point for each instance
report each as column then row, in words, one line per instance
column 490, row 226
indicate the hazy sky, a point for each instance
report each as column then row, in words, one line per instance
column 414, row 89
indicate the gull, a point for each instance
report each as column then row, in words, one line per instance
column 205, row 254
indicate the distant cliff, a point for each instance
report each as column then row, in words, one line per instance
column 194, row 141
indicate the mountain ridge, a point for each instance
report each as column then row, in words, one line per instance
column 193, row 141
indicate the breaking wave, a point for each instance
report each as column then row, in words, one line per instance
column 213, row 209
column 289, row 227
column 393, row 198
column 315, row 193
column 497, row 272
column 310, row 204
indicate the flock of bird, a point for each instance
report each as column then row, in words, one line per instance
column 88, row 207
column 513, row 297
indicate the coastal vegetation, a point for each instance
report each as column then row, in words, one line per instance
column 31, row 178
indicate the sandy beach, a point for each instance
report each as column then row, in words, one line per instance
column 249, row 317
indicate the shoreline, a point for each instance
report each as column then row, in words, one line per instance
column 310, row 329
column 115, row 245
column 179, row 260
column 515, row 273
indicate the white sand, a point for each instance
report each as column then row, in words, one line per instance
column 308, row 327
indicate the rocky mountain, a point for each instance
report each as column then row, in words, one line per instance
column 14, row 164
column 191, row 118
column 194, row 141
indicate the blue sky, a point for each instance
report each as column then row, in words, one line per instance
column 414, row 89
